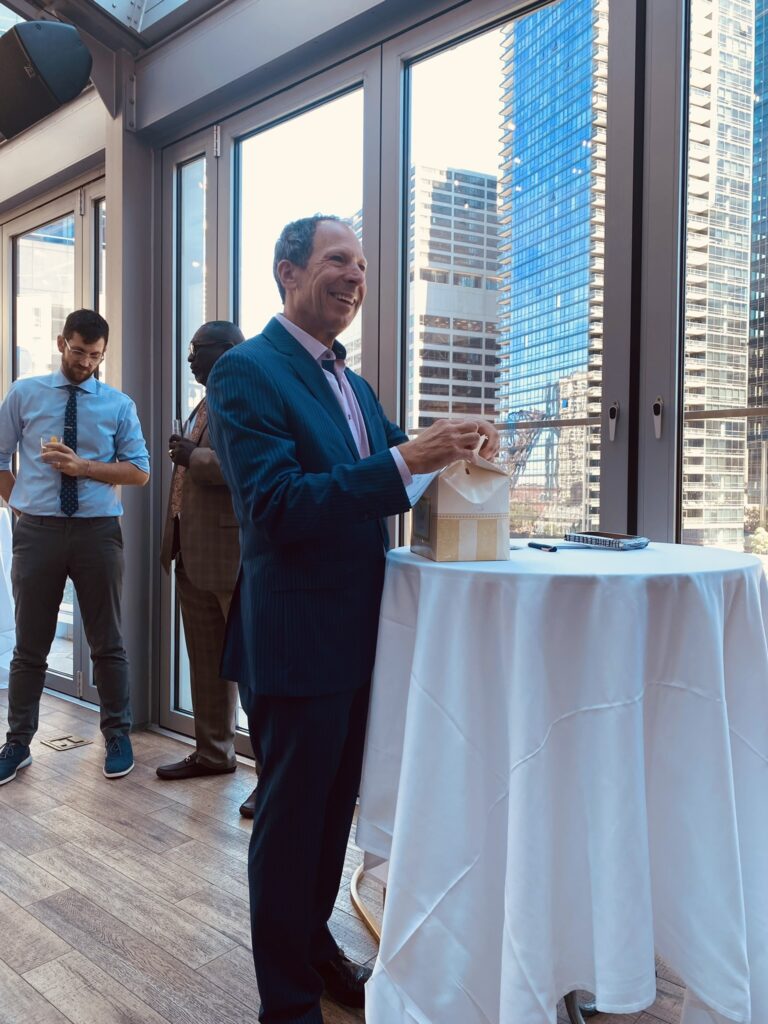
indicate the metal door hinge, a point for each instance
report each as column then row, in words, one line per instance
column 79, row 681
column 130, row 106
column 81, row 201
column 217, row 141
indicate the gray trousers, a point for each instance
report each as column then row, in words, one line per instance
column 47, row 549
column 214, row 700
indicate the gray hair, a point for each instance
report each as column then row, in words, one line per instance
column 295, row 243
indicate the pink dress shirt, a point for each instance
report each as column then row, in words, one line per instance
column 345, row 396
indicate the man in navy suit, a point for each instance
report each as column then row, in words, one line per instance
column 314, row 467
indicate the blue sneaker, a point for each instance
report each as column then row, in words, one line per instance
column 12, row 757
column 119, row 759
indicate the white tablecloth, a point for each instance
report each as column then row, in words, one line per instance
column 567, row 768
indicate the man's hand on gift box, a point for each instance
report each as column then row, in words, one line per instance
column 446, row 441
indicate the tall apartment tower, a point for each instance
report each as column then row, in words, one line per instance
column 757, row 429
column 551, row 252
column 453, row 291
column 717, row 288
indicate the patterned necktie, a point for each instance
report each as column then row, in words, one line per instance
column 201, row 420
column 68, row 499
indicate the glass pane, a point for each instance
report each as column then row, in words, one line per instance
column 191, row 275
column 505, row 239
column 100, row 261
column 184, row 696
column 547, row 491
column 714, row 502
column 100, row 271
column 756, row 509
column 285, row 174
column 8, row 18
column 191, row 299
column 723, row 479
column 44, row 293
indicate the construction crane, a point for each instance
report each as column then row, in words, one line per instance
column 518, row 441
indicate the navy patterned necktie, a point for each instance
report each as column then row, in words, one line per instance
column 69, row 502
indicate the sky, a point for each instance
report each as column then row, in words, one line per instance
column 456, row 104
column 8, row 18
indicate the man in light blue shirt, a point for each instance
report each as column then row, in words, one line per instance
column 78, row 439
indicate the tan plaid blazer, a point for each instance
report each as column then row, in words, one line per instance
column 207, row 535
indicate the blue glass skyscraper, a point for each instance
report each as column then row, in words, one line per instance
column 551, row 242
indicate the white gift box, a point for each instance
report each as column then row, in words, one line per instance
column 463, row 516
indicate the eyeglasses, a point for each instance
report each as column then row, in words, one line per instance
column 89, row 357
column 195, row 347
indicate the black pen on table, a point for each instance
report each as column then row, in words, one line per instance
column 542, row 547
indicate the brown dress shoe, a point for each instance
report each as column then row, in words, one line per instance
column 248, row 806
column 190, row 768
column 344, row 980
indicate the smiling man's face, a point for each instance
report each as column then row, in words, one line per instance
column 324, row 297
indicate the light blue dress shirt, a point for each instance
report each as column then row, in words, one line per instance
column 108, row 430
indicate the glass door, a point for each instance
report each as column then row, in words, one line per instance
column 267, row 175
column 704, row 461
column 502, row 231
column 724, row 473
column 189, row 201
column 49, row 273
column 272, row 173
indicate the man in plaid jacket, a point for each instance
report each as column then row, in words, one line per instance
column 201, row 535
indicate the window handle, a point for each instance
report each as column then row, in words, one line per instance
column 657, row 408
column 613, row 419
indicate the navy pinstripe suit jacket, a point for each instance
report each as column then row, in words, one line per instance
column 304, row 615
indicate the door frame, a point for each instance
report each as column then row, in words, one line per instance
column 79, row 201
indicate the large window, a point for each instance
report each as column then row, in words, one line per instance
column 298, row 154
column 471, row 155
column 44, row 265
column 725, row 371
column 310, row 163
column 505, row 236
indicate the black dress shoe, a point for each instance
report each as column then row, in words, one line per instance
column 248, row 806
column 344, row 980
column 190, row 768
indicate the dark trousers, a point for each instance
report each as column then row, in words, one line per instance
column 47, row 549
column 311, row 751
column 214, row 700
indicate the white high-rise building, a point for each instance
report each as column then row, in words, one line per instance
column 452, row 329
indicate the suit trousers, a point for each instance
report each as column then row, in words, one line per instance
column 214, row 700
column 311, row 750
column 47, row 549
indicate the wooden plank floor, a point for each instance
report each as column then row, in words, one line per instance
column 126, row 901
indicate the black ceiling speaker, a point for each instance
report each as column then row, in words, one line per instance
column 43, row 64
